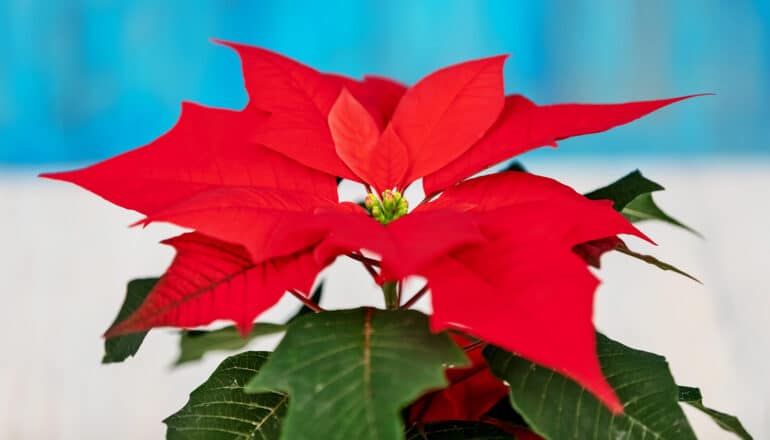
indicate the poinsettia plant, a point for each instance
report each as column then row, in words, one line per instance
column 509, row 348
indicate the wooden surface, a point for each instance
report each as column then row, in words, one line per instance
column 66, row 257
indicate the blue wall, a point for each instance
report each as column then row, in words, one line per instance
column 85, row 79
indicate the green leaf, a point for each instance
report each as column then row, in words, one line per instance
column 220, row 410
column 193, row 344
column 644, row 208
column 625, row 189
column 730, row 423
column 558, row 408
column 457, row 431
column 350, row 372
column 119, row 348
column 649, row 259
column 632, row 196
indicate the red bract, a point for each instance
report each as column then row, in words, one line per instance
column 471, row 393
column 258, row 188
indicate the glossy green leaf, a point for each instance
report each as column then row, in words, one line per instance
column 649, row 259
column 625, row 189
column 193, row 344
column 730, row 423
column 457, row 431
column 632, row 196
column 119, row 348
column 644, row 207
column 350, row 372
column 558, row 408
column 220, row 410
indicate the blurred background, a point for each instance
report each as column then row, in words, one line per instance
column 81, row 80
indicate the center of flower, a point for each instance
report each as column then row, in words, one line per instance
column 387, row 208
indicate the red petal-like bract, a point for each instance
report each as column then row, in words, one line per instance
column 249, row 216
column 404, row 245
column 298, row 99
column 524, row 125
column 208, row 148
column 442, row 115
column 532, row 294
column 384, row 93
column 210, row 280
column 356, row 138
column 471, row 393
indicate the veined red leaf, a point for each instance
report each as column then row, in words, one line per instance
column 534, row 298
column 385, row 93
column 523, row 126
column 378, row 95
column 210, row 280
column 356, row 138
column 508, row 202
column 298, row 99
column 530, row 290
column 404, row 245
column 247, row 216
column 471, row 392
column 446, row 112
column 207, row 148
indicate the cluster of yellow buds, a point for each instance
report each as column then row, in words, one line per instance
column 392, row 206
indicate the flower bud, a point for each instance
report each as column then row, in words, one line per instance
column 370, row 201
column 402, row 207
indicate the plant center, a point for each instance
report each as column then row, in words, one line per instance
column 387, row 208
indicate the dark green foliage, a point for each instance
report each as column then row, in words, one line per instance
column 119, row 348
column 220, row 410
column 558, row 408
column 727, row 422
column 349, row 373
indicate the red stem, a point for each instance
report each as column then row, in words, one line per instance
column 361, row 258
column 310, row 304
column 416, row 297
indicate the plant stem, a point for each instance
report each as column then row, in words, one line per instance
column 416, row 297
column 307, row 302
column 358, row 257
column 389, row 290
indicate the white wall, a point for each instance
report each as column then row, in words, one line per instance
column 66, row 256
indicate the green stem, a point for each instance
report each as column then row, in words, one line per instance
column 390, row 291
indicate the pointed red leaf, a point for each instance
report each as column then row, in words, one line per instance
column 523, row 126
column 208, row 148
column 378, row 95
column 446, row 112
column 385, row 94
column 531, row 297
column 298, row 99
column 537, row 204
column 210, row 280
column 247, row 216
column 404, row 245
column 356, row 138
column 532, row 294
column 471, row 393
